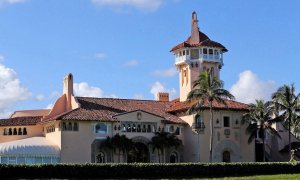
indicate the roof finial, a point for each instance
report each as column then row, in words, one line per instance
column 195, row 39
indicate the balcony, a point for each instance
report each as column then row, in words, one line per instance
column 186, row 59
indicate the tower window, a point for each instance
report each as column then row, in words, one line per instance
column 211, row 51
column 204, row 51
column 226, row 121
column 195, row 53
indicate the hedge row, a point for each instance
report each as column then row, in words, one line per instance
column 146, row 170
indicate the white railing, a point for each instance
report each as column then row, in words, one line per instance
column 202, row 57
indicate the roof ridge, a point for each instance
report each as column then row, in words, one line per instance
column 122, row 99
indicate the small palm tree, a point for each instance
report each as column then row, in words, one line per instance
column 287, row 106
column 259, row 119
column 122, row 144
column 207, row 89
column 162, row 141
column 107, row 143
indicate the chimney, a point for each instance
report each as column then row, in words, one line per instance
column 195, row 39
column 68, row 89
column 162, row 97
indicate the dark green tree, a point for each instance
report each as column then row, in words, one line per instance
column 164, row 140
column 287, row 106
column 259, row 120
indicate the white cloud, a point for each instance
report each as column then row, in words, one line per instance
column 147, row 5
column 11, row 90
column 100, row 56
column 83, row 89
column 40, row 97
column 250, row 87
column 132, row 63
column 4, row 2
column 138, row 96
column 159, row 87
column 165, row 72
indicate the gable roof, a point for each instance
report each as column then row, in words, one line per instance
column 177, row 106
column 103, row 109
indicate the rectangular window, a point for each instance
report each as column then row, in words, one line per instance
column 187, row 52
column 75, row 126
column 204, row 51
column 195, row 53
column 226, row 121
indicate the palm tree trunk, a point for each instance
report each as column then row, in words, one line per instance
column 290, row 145
column 211, row 132
column 264, row 151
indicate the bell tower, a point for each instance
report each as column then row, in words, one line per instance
column 195, row 55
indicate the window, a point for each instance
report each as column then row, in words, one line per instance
column 5, row 132
column 20, row 131
column 226, row 121
column 195, row 54
column 69, row 128
column 101, row 128
column 149, row 128
column 64, row 128
column 9, row 131
column 210, row 51
column 15, row 131
column 212, row 72
column 177, row 132
column 75, row 126
column 187, row 52
column 183, row 52
column 204, row 51
column 24, row 131
column 199, row 123
column 171, row 129
column 100, row 158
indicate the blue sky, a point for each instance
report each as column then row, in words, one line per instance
column 120, row 48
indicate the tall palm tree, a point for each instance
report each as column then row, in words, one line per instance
column 164, row 140
column 259, row 120
column 207, row 89
column 286, row 104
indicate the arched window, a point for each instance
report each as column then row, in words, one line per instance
column 171, row 129
column 226, row 156
column 174, row 157
column 101, row 128
column 5, row 132
column 24, row 131
column 15, row 131
column 75, row 126
column 199, row 123
column 9, row 131
column 20, row 131
column 212, row 72
column 69, row 126
column 100, row 158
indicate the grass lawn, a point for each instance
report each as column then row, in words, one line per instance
column 266, row 177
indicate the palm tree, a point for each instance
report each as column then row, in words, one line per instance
column 122, row 144
column 164, row 140
column 207, row 89
column 259, row 119
column 107, row 143
column 287, row 106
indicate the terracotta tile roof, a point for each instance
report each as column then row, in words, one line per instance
column 21, row 121
column 177, row 106
column 204, row 41
column 103, row 109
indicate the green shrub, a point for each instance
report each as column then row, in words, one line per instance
column 146, row 170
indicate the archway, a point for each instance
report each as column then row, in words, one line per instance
column 174, row 157
column 226, row 156
column 139, row 153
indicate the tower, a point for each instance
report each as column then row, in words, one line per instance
column 195, row 55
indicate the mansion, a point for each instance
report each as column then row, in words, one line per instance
column 73, row 130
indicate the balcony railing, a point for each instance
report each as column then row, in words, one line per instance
column 202, row 57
